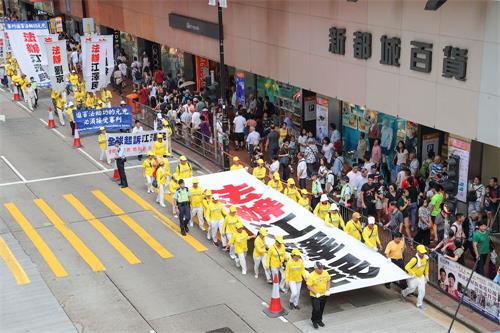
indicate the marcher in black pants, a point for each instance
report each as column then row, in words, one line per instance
column 318, row 283
column 120, row 164
column 181, row 201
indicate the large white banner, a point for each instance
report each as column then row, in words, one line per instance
column 57, row 64
column 26, row 48
column 350, row 263
column 483, row 295
column 2, row 48
column 133, row 143
column 107, row 41
column 42, row 39
column 94, row 64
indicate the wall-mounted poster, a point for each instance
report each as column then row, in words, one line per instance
column 349, row 116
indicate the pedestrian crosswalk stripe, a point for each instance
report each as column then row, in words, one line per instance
column 165, row 220
column 80, row 247
column 102, row 229
column 15, row 268
column 37, row 240
column 132, row 224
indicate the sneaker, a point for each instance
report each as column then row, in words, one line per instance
column 296, row 307
column 215, row 243
column 315, row 325
column 256, row 276
column 269, row 281
column 208, row 237
column 421, row 307
column 191, row 224
column 320, row 323
column 244, row 273
column 232, row 256
column 237, row 264
column 183, row 233
column 162, row 205
column 292, row 306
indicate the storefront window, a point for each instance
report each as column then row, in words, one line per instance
column 129, row 44
column 285, row 97
column 172, row 60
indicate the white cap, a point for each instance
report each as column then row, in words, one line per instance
column 334, row 207
column 371, row 220
column 324, row 197
column 215, row 197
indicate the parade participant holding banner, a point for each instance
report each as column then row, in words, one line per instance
column 370, row 235
column 334, row 219
column 291, row 190
column 196, row 204
column 260, row 254
column 294, row 274
column 275, row 182
column 149, row 166
column 260, row 170
column 207, row 199
column 90, row 100
column 60, row 103
column 276, row 257
column 305, row 201
column 161, row 181
column 79, row 96
column 216, row 212
column 236, row 164
column 318, row 283
column 239, row 240
column 229, row 227
column 103, row 145
column 70, row 107
column 323, row 207
column 184, row 168
column 418, row 269
column 159, row 147
column 353, row 227
column 106, row 97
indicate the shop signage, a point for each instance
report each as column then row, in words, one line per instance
column 202, row 71
column 194, row 25
column 461, row 148
column 454, row 58
column 350, row 263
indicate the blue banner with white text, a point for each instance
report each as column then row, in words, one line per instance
column 110, row 118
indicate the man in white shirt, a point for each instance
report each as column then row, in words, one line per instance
column 386, row 138
column 123, row 68
column 335, row 134
column 252, row 138
column 135, row 130
column 414, row 164
column 302, row 171
column 239, row 124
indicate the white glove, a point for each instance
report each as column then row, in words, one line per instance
column 318, row 295
column 328, row 292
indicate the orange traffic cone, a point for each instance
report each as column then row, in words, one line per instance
column 275, row 309
column 76, row 139
column 116, row 175
column 16, row 97
column 51, row 122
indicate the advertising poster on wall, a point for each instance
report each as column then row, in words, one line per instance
column 202, row 71
column 321, row 118
column 239, row 80
column 482, row 295
column 349, row 116
column 430, row 142
column 461, row 148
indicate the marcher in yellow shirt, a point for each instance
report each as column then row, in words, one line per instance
column 148, row 167
column 318, row 283
column 207, row 199
column 103, row 145
column 260, row 171
column 276, row 183
column 216, row 215
column 106, row 97
column 260, row 254
column 70, row 108
column 79, row 97
column 161, row 181
column 353, row 227
column 172, row 187
column 73, row 79
column 418, row 269
column 333, row 218
column 295, row 272
column 323, row 207
column 305, row 201
column 276, row 257
column 239, row 241
column 236, row 164
column 60, row 104
column 184, row 169
column 291, row 190
column 99, row 105
column 229, row 227
column 159, row 147
column 90, row 101
column 197, row 203
column 370, row 235
column 394, row 251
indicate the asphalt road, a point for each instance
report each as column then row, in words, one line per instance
column 82, row 255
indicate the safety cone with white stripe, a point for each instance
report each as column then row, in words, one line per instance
column 275, row 309
column 116, row 174
column 51, row 122
column 76, row 139
column 16, row 97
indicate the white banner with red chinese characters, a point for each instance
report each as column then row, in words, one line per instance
column 93, row 64
column 57, row 64
column 26, row 48
column 2, row 48
column 42, row 39
column 107, row 41
column 133, row 143
column 350, row 263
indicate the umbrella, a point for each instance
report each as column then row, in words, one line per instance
column 187, row 84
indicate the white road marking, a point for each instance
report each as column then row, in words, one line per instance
column 2, row 117
column 24, row 107
column 66, row 176
column 13, row 168
column 264, row 303
column 283, row 319
column 2, row 89
column 53, row 129
column 92, row 159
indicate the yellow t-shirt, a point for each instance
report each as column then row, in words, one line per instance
column 106, row 96
column 239, row 239
column 89, row 102
column 60, row 102
column 276, row 256
column 283, row 133
column 259, row 172
column 334, row 220
column 73, row 79
column 318, row 281
column 69, row 112
column 148, row 166
column 394, row 250
column 292, row 193
column 161, row 176
column 259, row 247
column 321, row 210
column 184, row 171
column 275, row 184
column 230, row 222
column 216, row 211
column 173, row 186
column 196, row 196
column 295, row 271
column 414, row 269
column 103, row 143
column 159, row 148
column 370, row 236
column 304, row 202
column 236, row 167
column 353, row 229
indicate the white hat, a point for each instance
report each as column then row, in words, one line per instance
column 371, row 220
column 334, row 207
column 215, row 197
column 323, row 198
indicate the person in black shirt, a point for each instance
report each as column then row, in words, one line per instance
column 368, row 192
column 404, row 207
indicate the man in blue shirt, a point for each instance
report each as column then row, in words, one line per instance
column 182, row 197
column 120, row 164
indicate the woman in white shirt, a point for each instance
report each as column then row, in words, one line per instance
column 327, row 150
column 401, row 156
column 302, row 140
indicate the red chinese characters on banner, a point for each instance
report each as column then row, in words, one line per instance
column 250, row 205
column 95, row 53
column 31, row 43
column 56, row 54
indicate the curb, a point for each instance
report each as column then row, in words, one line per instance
column 460, row 318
